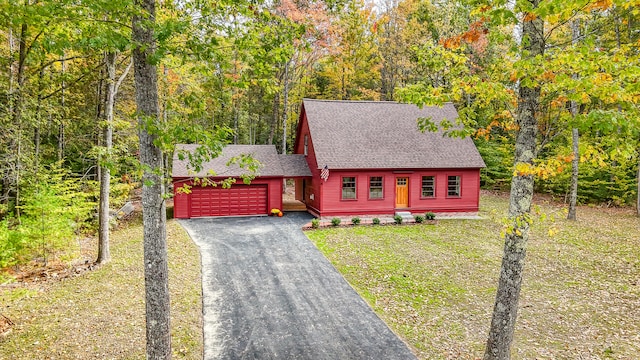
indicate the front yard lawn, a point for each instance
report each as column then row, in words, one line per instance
column 435, row 285
column 100, row 314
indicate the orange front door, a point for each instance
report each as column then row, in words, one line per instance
column 402, row 192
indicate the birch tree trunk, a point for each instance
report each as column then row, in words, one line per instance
column 153, row 206
column 506, row 305
column 104, row 253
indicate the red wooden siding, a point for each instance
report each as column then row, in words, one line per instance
column 333, row 204
column 312, row 188
column 258, row 198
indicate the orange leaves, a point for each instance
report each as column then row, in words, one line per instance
column 548, row 76
column 502, row 120
column 529, row 17
column 559, row 102
column 451, row 43
column 476, row 36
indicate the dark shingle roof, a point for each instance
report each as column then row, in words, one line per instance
column 294, row 165
column 272, row 163
column 383, row 135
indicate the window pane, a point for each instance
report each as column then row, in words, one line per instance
column 375, row 187
column 428, row 186
column 453, row 186
column 348, row 187
column 306, row 145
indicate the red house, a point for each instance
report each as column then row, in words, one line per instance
column 257, row 198
column 368, row 157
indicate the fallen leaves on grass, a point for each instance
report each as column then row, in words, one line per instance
column 100, row 314
column 435, row 286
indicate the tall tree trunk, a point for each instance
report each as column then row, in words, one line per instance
column 285, row 105
column 506, row 305
column 165, row 118
column 153, row 206
column 104, row 253
column 36, row 128
column 575, row 138
column 17, row 116
column 274, row 118
column 573, row 195
column 64, row 112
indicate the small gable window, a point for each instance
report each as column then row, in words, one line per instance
column 375, row 187
column 306, row 145
column 348, row 188
column 453, row 186
column 428, row 186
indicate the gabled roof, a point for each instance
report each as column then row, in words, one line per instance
column 384, row 135
column 273, row 164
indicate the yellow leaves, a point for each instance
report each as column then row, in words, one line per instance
column 599, row 5
column 543, row 169
column 595, row 156
column 524, row 169
column 517, row 226
column 602, row 78
column 584, row 98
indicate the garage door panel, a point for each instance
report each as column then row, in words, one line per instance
column 237, row 200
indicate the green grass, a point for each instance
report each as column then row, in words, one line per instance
column 435, row 285
column 100, row 314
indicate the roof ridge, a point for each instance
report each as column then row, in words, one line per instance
column 365, row 101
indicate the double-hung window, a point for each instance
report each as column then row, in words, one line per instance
column 428, row 186
column 375, row 187
column 348, row 188
column 453, row 186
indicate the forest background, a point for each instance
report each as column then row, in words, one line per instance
column 238, row 71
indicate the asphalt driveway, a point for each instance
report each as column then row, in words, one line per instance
column 270, row 294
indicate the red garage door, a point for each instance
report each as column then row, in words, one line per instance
column 237, row 200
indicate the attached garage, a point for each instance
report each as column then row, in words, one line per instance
column 257, row 198
column 237, row 200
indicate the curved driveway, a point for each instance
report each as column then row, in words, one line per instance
column 270, row 294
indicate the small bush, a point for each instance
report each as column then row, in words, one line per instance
column 419, row 219
column 315, row 223
column 355, row 220
column 375, row 221
column 397, row 219
column 430, row 216
column 335, row 221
